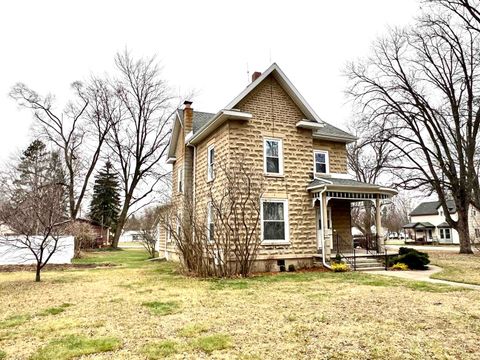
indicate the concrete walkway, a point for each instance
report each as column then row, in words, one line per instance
column 424, row 275
column 446, row 248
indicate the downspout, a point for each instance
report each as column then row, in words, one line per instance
column 323, row 230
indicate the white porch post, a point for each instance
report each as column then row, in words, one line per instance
column 327, row 236
column 378, row 224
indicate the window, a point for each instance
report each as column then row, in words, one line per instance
column 445, row 234
column 210, row 223
column 178, row 225
column 180, row 180
column 440, row 212
column 273, row 154
column 321, row 162
column 474, row 213
column 477, row 233
column 274, row 221
column 210, row 162
column 169, row 234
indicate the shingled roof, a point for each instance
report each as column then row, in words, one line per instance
column 199, row 119
column 431, row 208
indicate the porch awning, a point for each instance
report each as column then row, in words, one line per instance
column 409, row 225
column 425, row 225
column 344, row 188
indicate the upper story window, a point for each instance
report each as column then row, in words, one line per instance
column 210, row 163
column 274, row 221
column 321, row 165
column 180, row 180
column 440, row 212
column 273, row 156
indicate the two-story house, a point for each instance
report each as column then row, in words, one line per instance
column 305, row 208
column 428, row 223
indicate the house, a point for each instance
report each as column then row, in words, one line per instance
column 303, row 161
column 428, row 223
column 131, row 236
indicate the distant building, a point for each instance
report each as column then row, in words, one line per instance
column 428, row 223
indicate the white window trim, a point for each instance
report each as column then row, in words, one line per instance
column 280, row 156
column 209, row 221
column 327, row 162
column 180, row 179
column 285, row 215
column 210, row 175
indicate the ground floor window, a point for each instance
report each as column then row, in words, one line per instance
column 445, row 234
column 274, row 215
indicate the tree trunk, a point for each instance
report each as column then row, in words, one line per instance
column 464, row 232
column 122, row 219
column 37, row 273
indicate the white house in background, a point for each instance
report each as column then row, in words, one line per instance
column 428, row 223
column 131, row 236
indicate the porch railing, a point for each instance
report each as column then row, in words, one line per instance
column 370, row 245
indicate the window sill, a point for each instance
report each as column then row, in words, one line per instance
column 274, row 175
column 275, row 242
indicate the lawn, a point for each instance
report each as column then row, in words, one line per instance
column 456, row 267
column 141, row 309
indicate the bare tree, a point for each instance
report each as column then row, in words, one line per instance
column 38, row 219
column 140, row 130
column 150, row 229
column 220, row 238
column 368, row 159
column 78, row 131
column 419, row 91
column 467, row 10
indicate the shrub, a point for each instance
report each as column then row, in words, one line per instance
column 3, row 355
column 414, row 259
column 400, row 266
column 340, row 267
column 282, row 268
column 291, row 268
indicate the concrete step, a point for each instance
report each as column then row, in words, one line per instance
column 375, row 268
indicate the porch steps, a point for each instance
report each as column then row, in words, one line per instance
column 367, row 263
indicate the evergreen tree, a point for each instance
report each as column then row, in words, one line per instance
column 105, row 204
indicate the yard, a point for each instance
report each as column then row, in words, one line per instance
column 136, row 309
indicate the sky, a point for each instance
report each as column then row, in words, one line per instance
column 203, row 46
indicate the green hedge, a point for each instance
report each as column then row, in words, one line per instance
column 415, row 260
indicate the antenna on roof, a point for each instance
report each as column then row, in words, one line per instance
column 248, row 75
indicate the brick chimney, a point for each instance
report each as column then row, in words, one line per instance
column 187, row 116
column 256, row 75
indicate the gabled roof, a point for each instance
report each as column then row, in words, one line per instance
column 202, row 121
column 431, row 208
column 286, row 84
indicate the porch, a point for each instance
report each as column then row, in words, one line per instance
column 332, row 199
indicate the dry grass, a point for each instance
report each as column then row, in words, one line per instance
column 289, row 316
column 456, row 267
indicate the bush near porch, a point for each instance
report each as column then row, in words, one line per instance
column 303, row 315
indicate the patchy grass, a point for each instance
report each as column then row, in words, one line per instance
column 55, row 310
column 160, row 349
column 73, row 346
column 193, row 330
column 457, row 267
column 212, row 343
column 296, row 315
column 14, row 320
column 162, row 308
column 3, row 355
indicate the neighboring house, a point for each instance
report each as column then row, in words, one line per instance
column 131, row 236
column 303, row 160
column 428, row 223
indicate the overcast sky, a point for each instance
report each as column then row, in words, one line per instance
column 203, row 46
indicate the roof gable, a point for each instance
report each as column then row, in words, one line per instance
column 431, row 208
column 287, row 86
